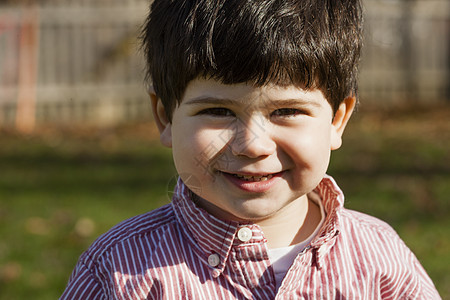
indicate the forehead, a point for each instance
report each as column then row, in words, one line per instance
column 200, row 90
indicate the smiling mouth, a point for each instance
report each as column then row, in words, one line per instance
column 253, row 178
column 253, row 183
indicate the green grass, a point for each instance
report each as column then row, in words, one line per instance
column 60, row 189
column 57, row 193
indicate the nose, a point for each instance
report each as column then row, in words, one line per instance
column 252, row 138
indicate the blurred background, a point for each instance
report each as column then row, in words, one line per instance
column 78, row 151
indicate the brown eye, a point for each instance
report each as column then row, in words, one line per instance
column 217, row 111
column 286, row 112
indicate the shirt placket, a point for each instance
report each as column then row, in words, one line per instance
column 248, row 266
column 293, row 281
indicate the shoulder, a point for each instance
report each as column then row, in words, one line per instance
column 135, row 228
column 377, row 249
column 373, row 237
column 359, row 223
column 375, row 242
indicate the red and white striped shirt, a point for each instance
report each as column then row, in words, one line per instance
column 181, row 252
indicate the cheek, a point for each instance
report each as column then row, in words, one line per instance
column 309, row 147
column 208, row 142
column 195, row 148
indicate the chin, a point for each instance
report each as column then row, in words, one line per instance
column 253, row 215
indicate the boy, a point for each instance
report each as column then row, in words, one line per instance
column 252, row 96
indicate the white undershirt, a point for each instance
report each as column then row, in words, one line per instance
column 282, row 258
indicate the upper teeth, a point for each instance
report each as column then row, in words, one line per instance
column 254, row 178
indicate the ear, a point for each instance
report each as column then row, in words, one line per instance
column 161, row 120
column 340, row 120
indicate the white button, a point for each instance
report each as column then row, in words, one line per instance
column 244, row 234
column 215, row 273
column 214, row 260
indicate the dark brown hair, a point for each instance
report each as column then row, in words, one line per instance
column 307, row 43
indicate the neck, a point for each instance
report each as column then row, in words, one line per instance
column 294, row 224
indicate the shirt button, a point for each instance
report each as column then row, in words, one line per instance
column 214, row 260
column 244, row 234
column 215, row 273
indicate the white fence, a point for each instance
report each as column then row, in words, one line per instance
column 407, row 52
column 88, row 66
column 80, row 62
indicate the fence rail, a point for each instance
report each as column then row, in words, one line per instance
column 406, row 54
column 88, row 67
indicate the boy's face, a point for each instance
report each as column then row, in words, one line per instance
column 249, row 152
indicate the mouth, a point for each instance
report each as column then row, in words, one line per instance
column 254, row 182
column 253, row 178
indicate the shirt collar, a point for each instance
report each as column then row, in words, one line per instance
column 212, row 235
column 215, row 236
column 333, row 201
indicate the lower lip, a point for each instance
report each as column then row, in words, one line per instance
column 253, row 186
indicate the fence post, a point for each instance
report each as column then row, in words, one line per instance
column 28, row 60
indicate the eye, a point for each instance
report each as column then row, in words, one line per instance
column 287, row 112
column 217, row 111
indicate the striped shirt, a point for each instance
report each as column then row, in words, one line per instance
column 179, row 251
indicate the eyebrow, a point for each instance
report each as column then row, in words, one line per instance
column 210, row 100
column 276, row 102
column 294, row 102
